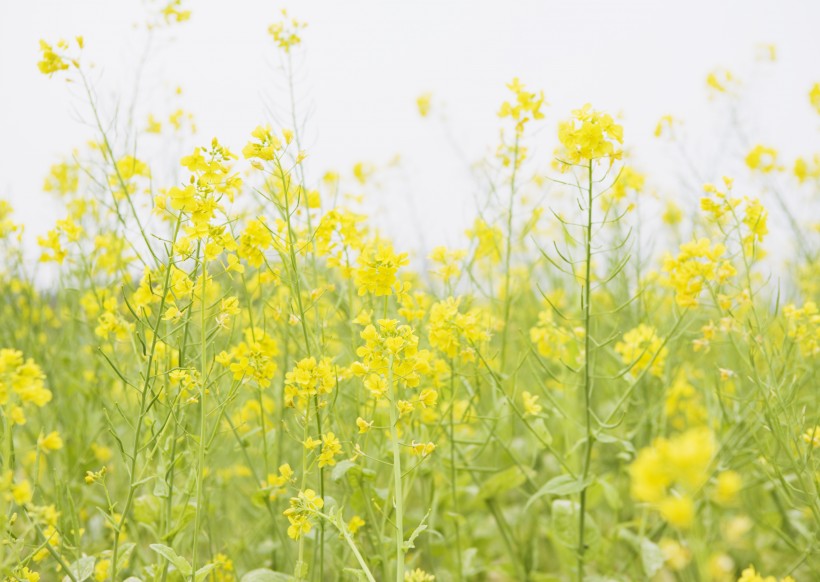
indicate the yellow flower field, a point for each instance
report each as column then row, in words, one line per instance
column 229, row 372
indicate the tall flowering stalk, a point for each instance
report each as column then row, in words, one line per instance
column 589, row 138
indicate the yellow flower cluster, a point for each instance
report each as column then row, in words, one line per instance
column 266, row 146
column 803, row 326
column 446, row 262
column 276, row 483
column 697, row 263
column 488, row 240
column 377, row 268
column 551, row 340
column 253, row 359
column 628, row 180
column 173, row 12
column 722, row 81
column 301, row 510
column 212, row 177
column 22, row 382
column 812, row 437
column 763, row 159
column 309, row 378
column 531, row 405
column 684, row 405
column 642, row 348
column 814, row 97
column 423, row 103
column 525, row 107
column 390, row 342
column 63, row 179
column 755, row 216
column 286, row 33
column 455, row 333
column 255, row 239
column 52, row 61
column 807, row 169
column 590, row 135
column 418, row 575
column 331, row 447
column 751, row 575
column 66, row 231
column 667, row 473
column 339, row 231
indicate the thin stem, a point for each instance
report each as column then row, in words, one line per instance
column 202, row 417
column 399, row 496
column 453, row 470
column 587, row 376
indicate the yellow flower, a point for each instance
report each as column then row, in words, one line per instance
column 682, row 462
column 330, row 448
column 814, row 97
column 285, row 34
column 721, row 81
column 488, row 240
column 52, row 62
column 377, row 268
column 697, row 263
column 727, row 487
column 667, row 122
column 762, row 159
column 50, row 442
column 418, row 575
column 679, row 511
column 525, row 107
column 751, row 575
column 531, row 406
column 590, row 135
column 355, row 524
column 642, row 348
column 454, row 332
column 812, row 437
column 300, row 511
column 363, row 425
column 676, row 555
column 422, row 449
column 423, row 103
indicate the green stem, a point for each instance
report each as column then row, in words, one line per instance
column 201, row 448
column 507, row 258
column 453, row 471
column 399, row 496
column 132, row 482
column 587, row 377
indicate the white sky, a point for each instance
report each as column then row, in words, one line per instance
column 365, row 62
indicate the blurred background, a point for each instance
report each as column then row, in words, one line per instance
column 363, row 63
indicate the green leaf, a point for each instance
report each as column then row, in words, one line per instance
column 540, row 428
column 510, row 478
column 125, row 554
column 147, row 509
column 410, row 543
column 180, row 563
column 561, row 485
column 611, row 494
column 355, row 574
column 341, row 469
column 161, row 488
column 565, row 525
column 82, row 569
column 203, row 571
column 651, row 557
column 183, row 514
column 265, row 575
